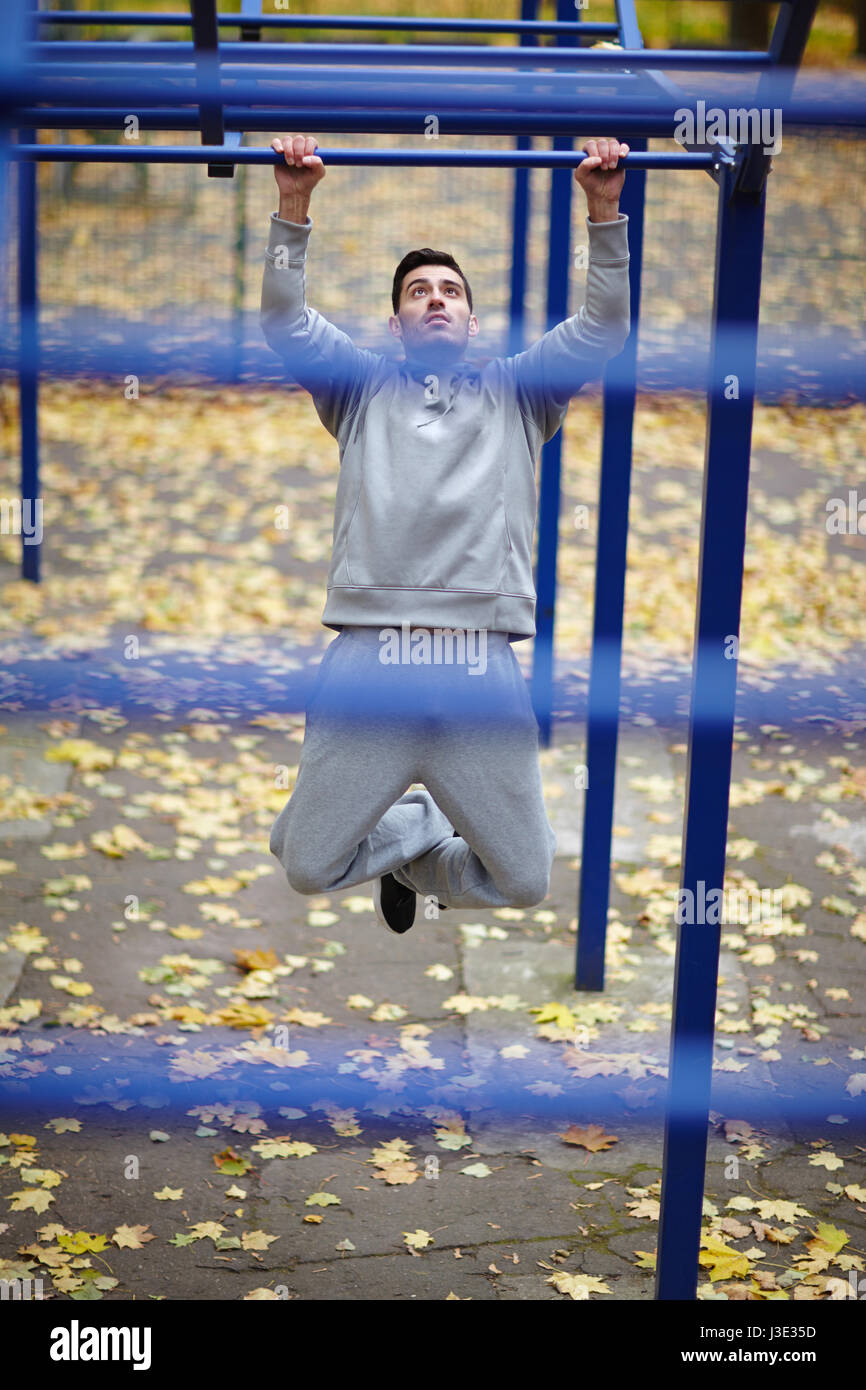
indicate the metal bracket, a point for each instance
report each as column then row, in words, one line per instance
column 753, row 166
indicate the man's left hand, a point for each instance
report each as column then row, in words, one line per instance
column 601, row 179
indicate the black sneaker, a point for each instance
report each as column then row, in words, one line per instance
column 395, row 905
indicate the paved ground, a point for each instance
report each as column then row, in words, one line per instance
column 408, row 1080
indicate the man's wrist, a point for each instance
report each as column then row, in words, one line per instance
column 603, row 212
column 294, row 210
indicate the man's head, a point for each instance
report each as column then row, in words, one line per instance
column 432, row 305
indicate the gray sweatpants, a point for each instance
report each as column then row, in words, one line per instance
column 373, row 730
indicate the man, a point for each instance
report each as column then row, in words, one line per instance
column 434, row 524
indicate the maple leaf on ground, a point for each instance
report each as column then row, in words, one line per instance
column 780, row 1211
column 737, row 1130
column 67, row 1282
column 51, row 1256
column 649, row 1207
column 778, row 1235
column 261, row 1296
column 560, row 1014
column 244, row 1016
column 31, row 1198
column 452, row 1138
column 576, row 1286
column 169, row 1194
column 284, row 1148
column 647, row 1259
column 77, row 1242
column 398, row 1172
column 477, row 1170
column 307, row 1018
column 256, row 959
column 591, row 1137
column 735, row 1229
column 256, row 1240
column 46, row 1177
column 417, row 1240
column 828, row 1241
column 248, row 1124
column 322, row 1199
column 61, row 1125
column 132, row 1237
column 198, row 1063
column 722, row 1260
column 826, row 1159
column 204, row 1229
column 229, row 1161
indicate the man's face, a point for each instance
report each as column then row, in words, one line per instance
column 433, row 321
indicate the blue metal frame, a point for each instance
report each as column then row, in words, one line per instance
column 736, row 302
column 515, row 106
column 28, row 368
column 620, row 393
column 547, row 544
column 520, row 211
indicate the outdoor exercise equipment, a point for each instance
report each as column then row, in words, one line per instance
column 223, row 89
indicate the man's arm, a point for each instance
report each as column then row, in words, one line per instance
column 553, row 370
column 318, row 355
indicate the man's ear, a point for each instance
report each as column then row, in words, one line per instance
column 395, row 326
column 472, row 326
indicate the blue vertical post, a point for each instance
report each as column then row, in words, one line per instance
column 731, row 393
column 520, row 218
column 620, row 390
column 558, row 276
column 249, row 34
column 28, row 366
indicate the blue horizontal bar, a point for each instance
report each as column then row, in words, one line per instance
column 253, row 119
column 448, row 55
column 450, row 159
column 840, row 102
column 375, row 85
column 37, row 680
column 330, row 21
column 88, row 341
column 781, row 1102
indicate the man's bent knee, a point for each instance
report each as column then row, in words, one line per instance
column 528, row 891
column 305, row 881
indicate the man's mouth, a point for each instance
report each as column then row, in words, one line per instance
column 437, row 318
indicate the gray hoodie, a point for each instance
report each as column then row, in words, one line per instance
column 436, row 499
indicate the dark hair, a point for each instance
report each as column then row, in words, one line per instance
column 425, row 256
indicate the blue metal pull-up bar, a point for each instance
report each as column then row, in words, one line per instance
column 75, row 53
column 395, row 159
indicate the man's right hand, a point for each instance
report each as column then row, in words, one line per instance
column 298, row 175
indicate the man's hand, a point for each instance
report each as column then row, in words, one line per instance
column 298, row 175
column 600, row 179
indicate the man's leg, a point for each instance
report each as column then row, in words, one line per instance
column 350, row 818
column 485, row 776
